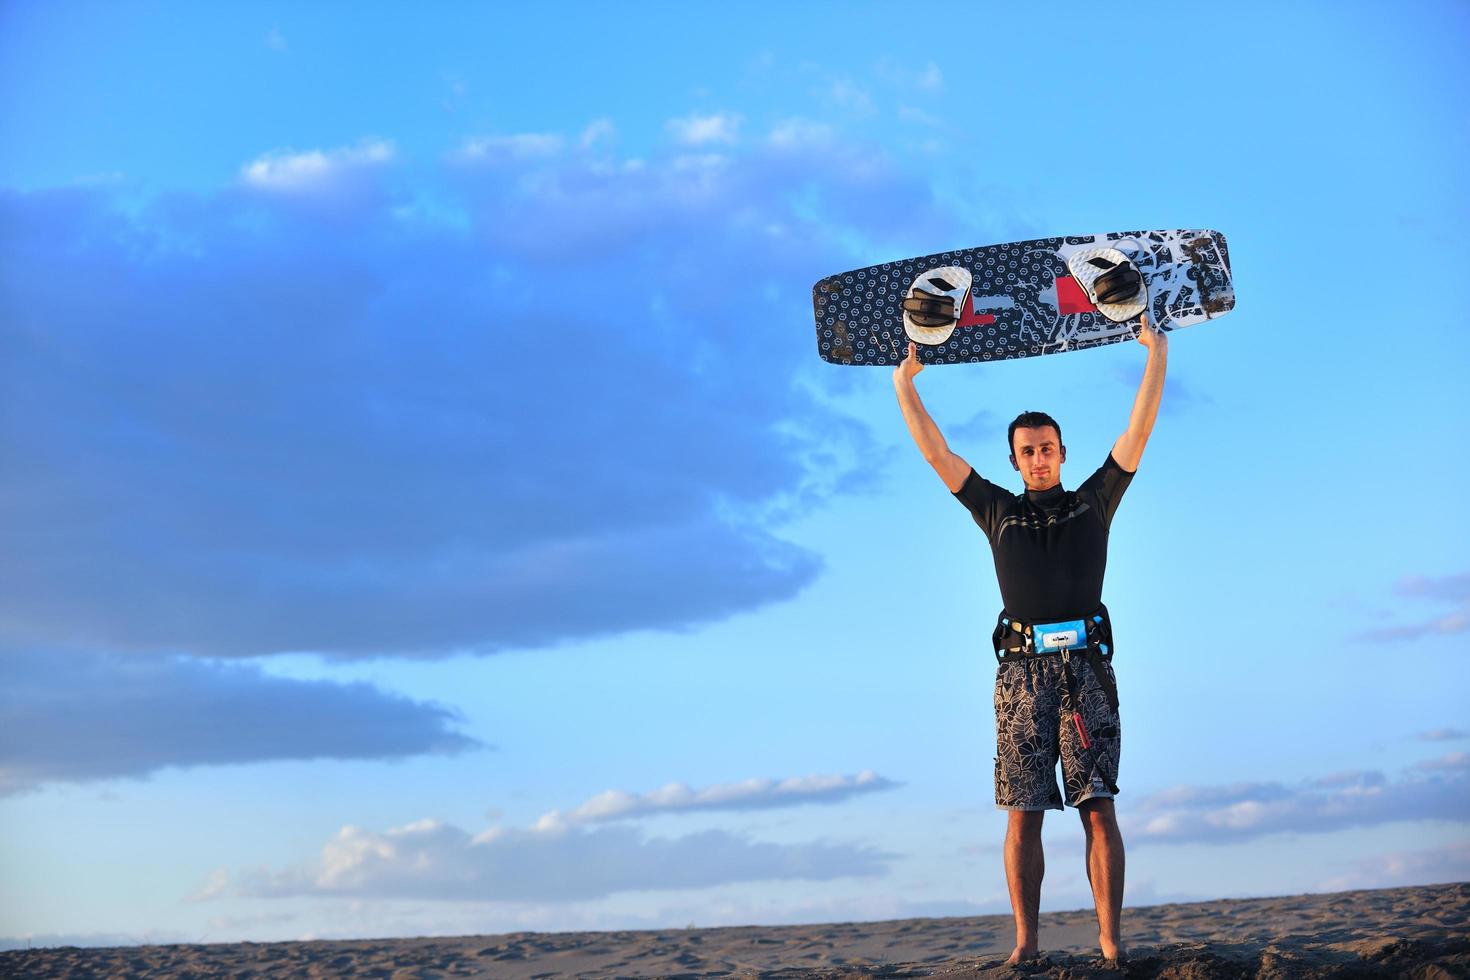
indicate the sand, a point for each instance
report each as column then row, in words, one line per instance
column 1417, row 932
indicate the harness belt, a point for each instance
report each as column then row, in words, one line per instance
column 1090, row 637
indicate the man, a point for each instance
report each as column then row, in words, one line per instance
column 1055, row 692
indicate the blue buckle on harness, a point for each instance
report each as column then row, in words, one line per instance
column 1053, row 637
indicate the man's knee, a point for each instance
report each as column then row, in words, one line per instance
column 1097, row 814
column 1025, row 823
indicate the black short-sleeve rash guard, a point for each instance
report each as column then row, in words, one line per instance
column 1051, row 546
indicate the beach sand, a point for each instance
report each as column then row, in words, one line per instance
column 1419, row 932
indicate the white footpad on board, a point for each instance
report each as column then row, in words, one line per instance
column 1089, row 264
column 949, row 285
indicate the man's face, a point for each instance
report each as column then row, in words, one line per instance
column 1038, row 454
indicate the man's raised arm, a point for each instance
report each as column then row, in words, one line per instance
column 951, row 468
column 1128, row 450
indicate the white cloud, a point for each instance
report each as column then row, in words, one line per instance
column 105, row 178
column 275, row 40
column 850, row 96
column 518, row 146
column 1396, row 868
column 561, row 859
column 1433, row 789
column 429, row 859
column 216, row 884
column 923, row 117
column 285, row 170
column 1455, row 762
column 1444, row 735
column 697, row 130
column 800, row 133
column 699, row 163
column 597, row 131
column 904, row 75
column 750, row 794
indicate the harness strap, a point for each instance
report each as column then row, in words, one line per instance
column 928, row 310
column 1118, row 285
column 1076, row 705
column 1014, row 640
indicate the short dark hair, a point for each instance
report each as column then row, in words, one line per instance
column 1029, row 420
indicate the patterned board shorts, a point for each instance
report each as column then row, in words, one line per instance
column 1032, row 730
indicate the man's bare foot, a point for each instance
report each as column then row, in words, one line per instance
column 1112, row 950
column 1022, row 953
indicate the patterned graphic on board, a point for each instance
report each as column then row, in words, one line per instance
column 1022, row 300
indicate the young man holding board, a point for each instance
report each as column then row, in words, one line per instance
column 1055, row 692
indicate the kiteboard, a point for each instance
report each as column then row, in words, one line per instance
column 1023, row 299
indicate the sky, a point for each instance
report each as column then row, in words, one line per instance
column 423, row 510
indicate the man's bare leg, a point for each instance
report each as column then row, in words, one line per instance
column 1025, row 865
column 1104, row 871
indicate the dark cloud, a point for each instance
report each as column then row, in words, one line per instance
column 80, row 717
column 1437, row 789
column 433, row 860
column 1453, row 589
column 1178, row 398
column 1445, row 625
column 984, row 427
column 530, row 397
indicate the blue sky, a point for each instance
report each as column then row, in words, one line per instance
column 425, row 512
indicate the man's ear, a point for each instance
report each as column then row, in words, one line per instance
column 1064, row 452
column 1013, row 463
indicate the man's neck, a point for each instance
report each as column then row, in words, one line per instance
column 1050, row 493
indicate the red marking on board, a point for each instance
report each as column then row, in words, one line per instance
column 1072, row 298
column 968, row 316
